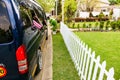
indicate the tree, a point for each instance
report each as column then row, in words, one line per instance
column 112, row 2
column 87, row 5
column 59, row 10
column 47, row 5
column 111, row 13
column 59, row 7
column 69, row 9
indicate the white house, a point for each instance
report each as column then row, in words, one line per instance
column 102, row 5
column 116, row 13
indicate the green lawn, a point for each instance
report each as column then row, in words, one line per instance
column 63, row 67
column 105, row 44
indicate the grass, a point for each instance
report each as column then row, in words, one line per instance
column 63, row 67
column 105, row 44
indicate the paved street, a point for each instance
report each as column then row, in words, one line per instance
column 46, row 72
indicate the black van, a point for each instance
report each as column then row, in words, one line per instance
column 22, row 29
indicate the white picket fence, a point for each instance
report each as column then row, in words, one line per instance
column 88, row 67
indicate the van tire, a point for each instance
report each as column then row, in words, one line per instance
column 39, row 62
column 47, row 35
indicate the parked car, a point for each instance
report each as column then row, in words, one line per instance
column 21, row 39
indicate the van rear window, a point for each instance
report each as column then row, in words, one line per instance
column 5, row 27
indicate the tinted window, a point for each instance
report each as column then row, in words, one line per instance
column 5, row 27
column 34, row 16
column 26, row 17
column 39, row 13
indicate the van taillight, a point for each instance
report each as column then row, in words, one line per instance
column 22, row 59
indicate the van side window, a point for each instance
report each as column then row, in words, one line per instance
column 34, row 16
column 39, row 14
column 5, row 26
column 26, row 17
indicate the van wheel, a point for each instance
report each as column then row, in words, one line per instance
column 47, row 35
column 39, row 62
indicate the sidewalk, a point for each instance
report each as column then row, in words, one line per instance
column 46, row 72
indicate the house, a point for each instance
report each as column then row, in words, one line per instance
column 102, row 5
column 95, row 6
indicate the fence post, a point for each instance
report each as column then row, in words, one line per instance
column 111, row 74
column 96, row 68
column 87, row 64
column 102, row 71
column 91, row 65
column 84, row 61
column 82, row 56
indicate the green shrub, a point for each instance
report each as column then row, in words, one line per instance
column 101, row 25
column 113, row 25
column 90, row 25
column 101, row 15
column 78, row 26
column 107, row 25
column 73, row 26
column 96, row 24
column 84, row 25
column 53, row 23
column 50, row 21
column 118, row 24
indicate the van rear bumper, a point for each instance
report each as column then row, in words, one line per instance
column 18, row 77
